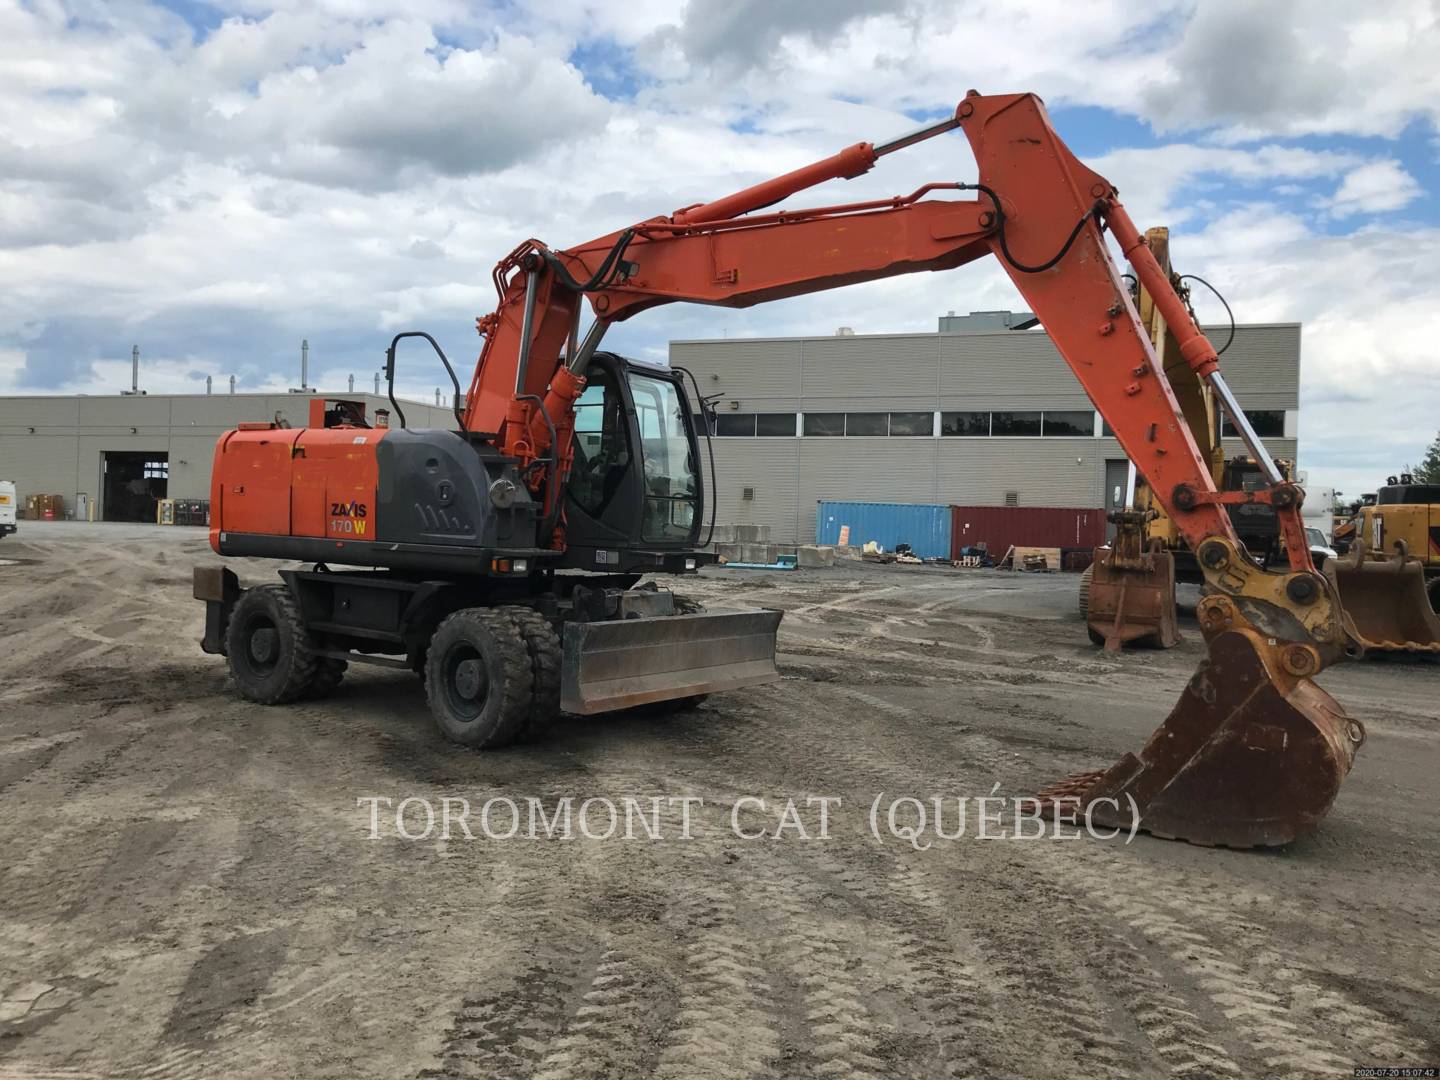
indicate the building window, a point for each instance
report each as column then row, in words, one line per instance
column 1015, row 423
column 1268, row 424
column 1068, row 423
column 965, row 423
column 745, row 425
column 867, row 423
column 912, row 423
column 824, row 423
column 774, row 425
column 734, row 425
column 157, row 470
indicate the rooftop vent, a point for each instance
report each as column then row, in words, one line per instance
column 986, row 321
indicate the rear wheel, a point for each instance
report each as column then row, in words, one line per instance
column 479, row 678
column 1434, row 590
column 272, row 657
column 543, row 645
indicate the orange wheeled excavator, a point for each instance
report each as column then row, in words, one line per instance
column 503, row 559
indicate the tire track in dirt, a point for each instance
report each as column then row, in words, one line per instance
column 1088, row 993
column 504, row 1032
column 1293, row 1018
column 594, row 989
column 608, row 1034
column 1262, row 999
column 1083, row 1026
column 723, row 1026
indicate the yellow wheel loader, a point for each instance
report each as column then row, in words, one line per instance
column 1388, row 580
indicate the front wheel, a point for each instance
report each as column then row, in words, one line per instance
column 478, row 678
column 543, row 646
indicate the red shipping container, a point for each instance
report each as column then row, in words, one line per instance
column 1001, row 527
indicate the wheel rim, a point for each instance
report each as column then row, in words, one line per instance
column 467, row 684
column 262, row 645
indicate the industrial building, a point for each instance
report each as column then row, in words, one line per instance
column 114, row 457
column 984, row 412
column 981, row 413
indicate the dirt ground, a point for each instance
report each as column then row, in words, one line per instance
column 188, row 887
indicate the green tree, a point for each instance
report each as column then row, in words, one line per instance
column 1428, row 471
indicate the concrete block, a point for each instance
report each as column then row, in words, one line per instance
column 814, row 556
column 847, row 551
column 757, row 553
column 748, row 534
column 729, row 552
column 724, row 534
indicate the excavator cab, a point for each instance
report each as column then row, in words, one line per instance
column 635, row 482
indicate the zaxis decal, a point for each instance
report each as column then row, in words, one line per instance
column 349, row 518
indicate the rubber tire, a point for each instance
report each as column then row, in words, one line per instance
column 497, row 643
column 296, row 661
column 1085, row 577
column 329, row 673
column 543, row 645
column 1433, row 588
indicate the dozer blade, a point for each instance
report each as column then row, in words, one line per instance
column 1384, row 604
column 1132, row 604
column 626, row 662
column 1251, row 756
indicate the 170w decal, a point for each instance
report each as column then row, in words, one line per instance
column 349, row 517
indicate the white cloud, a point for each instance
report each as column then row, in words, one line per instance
column 345, row 168
column 1373, row 188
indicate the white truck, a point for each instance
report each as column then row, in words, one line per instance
column 7, row 508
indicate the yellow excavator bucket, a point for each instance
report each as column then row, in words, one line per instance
column 1130, row 602
column 1383, row 600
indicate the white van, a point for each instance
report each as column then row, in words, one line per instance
column 7, row 508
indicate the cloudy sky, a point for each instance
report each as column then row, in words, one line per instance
column 215, row 181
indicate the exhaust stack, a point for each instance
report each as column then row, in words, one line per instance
column 134, row 374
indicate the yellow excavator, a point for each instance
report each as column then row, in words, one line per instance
column 1391, row 563
column 1127, row 595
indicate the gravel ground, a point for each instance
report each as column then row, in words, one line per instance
column 189, row 887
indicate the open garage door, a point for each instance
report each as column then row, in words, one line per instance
column 135, row 481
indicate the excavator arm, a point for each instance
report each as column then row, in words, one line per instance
column 1254, row 751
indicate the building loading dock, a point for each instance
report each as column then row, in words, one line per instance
column 121, row 454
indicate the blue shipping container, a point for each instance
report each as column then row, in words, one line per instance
column 924, row 526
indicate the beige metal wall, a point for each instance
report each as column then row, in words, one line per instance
column 55, row 445
column 1017, row 370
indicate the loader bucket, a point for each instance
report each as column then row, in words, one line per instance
column 1250, row 756
column 1385, row 605
column 1131, row 601
column 626, row 662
